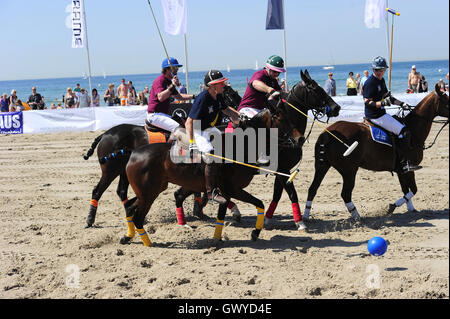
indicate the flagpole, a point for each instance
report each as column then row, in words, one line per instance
column 284, row 47
column 87, row 50
column 186, row 60
column 387, row 29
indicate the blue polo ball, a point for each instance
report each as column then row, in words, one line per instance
column 377, row 246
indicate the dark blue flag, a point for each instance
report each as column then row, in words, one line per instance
column 275, row 16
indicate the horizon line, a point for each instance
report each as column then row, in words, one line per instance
column 238, row 69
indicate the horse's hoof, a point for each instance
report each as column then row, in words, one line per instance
column 356, row 217
column 186, row 226
column 301, row 226
column 255, row 234
column 391, row 208
column 88, row 225
column 125, row 240
column 236, row 217
column 268, row 223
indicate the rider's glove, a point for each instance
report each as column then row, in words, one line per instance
column 386, row 101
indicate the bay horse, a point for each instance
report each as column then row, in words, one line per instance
column 306, row 95
column 150, row 169
column 374, row 156
column 114, row 147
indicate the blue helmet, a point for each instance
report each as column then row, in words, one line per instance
column 173, row 62
column 379, row 63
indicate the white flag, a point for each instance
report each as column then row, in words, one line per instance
column 375, row 12
column 78, row 25
column 175, row 16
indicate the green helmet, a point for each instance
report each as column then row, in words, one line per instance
column 275, row 63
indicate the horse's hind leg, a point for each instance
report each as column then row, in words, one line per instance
column 409, row 189
column 99, row 189
column 277, row 192
column 130, row 207
column 180, row 195
column 321, row 169
column 346, row 194
column 248, row 198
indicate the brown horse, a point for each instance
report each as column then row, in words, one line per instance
column 374, row 156
column 114, row 148
column 150, row 169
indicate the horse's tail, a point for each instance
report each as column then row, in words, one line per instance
column 93, row 146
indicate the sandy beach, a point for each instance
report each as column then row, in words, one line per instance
column 45, row 251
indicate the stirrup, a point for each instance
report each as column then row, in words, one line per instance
column 410, row 168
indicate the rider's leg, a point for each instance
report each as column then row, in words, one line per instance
column 163, row 121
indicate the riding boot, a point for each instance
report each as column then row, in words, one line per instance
column 404, row 146
column 210, row 179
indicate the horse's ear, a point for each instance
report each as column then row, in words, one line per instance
column 302, row 75
column 307, row 75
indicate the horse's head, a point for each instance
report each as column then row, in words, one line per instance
column 231, row 97
column 442, row 108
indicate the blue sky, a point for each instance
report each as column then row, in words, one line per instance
column 123, row 37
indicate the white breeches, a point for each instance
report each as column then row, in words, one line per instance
column 163, row 121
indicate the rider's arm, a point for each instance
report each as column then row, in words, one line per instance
column 372, row 104
column 184, row 97
column 190, row 129
column 262, row 87
column 165, row 94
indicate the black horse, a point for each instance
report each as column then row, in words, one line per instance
column 306, row 95
column 113, row 150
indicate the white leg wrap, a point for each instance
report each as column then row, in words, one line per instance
column 353, row 211
column 404, row 199
column 410, row 206
column 307, row 210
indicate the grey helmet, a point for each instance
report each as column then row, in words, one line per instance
column 379, row 63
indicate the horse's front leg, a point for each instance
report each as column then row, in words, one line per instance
column 247, row 198
column 409, row 189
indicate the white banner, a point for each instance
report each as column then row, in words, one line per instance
column 78, row 24
column 375, row 11
column 175, row 16
column 103, row 118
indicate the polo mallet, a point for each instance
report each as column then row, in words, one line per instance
column 350, row 148
column 394, row 13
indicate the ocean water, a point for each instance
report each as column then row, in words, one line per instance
column 54, row 89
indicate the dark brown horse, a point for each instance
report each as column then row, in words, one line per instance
column 374, row 156
column 113, row 151
column 150, row 169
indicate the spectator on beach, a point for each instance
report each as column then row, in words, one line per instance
column 35, row 100
column 59, row 107
column 283, row 85
column 446, row 84
column 95, row 98
column 423, row 85
column 53, row 106
column 180, row 87
column 110, row 95
column 70, row 99
column 358, row 82
column 414, row 80
column 363, row 80
column 122, row 92
column 143, row 97
column 351, row 85
column 330, row 85
column 131, row 100
column 163, row 88
column 441, row 85
column 262, row 87
column 4, row 103
column 83, row 98
column 14, row 103
column 132, row 89
column 77, row 89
